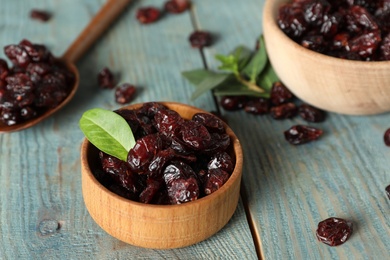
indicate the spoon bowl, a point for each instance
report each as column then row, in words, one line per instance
column 95, row 28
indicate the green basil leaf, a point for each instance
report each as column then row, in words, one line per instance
column 208, row 83
column 108, row 131
column 257, row 63
column 196, row 76
column 267, row 78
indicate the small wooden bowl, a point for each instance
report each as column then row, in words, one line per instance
column 333, row 84
column 160, row 226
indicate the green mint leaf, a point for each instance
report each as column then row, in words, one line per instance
column 267, row 78
column 233, row 87
column 228, row 63
column 196, row 76
column 208, row 83
column 257, row 63
column 108, row 131
column 243, row 55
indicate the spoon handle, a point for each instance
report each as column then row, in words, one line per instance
column 99, row 23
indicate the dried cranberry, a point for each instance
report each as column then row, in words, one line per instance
column 334, row 231
column 3, row 69
column 291, row 20
column 40, row 15
column 195, row 135
column 106, row 79
column 176, row 6
column 181, row 182
column 280, row 93
column 311, row 114
column 315, row 11
column 232, row 103
column 257, row 106
column 18, row 55
column 365, row 44
column 153, row 185
column 124, row 93
column 215, row 179
column 385, row 48
column 211, row 122
column 221, row 160
column 167, row 121
column 386, row 137
column 300, row 134
column 388, row 191
column 200, row 39
column 315, row 42
column 148, row 15
column 143, row 152
column 283, row 111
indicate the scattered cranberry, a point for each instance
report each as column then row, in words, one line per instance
column 388, row 191
column 257, row 106
column 124, row 93
column 311, row 114
column 177, row 6
column 334, row 231
column 232, row 103
column 40, row 15
column 174, row 160
column 148, row 15
column 283, row 111
column 280, row 94
column 354, row 30
column 386, row 137
column 300, row 134
column 106, row 79
column 200, row 39
column 36, row 82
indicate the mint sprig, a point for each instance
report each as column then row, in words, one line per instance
column 108, row 131
column 241, row 72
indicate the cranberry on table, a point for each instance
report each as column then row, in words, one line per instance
column 311, row 114
column 280, row 94
column 147, row 15
column 300, row 134
column 40, row 15
column 386, row 137
column 283, row 111
column 257, row 106
column 388, row 191
column 334, row 231
column 232, row 103
column 177, row 6
column 124, row 93
column 200, row 39
column 106, row 79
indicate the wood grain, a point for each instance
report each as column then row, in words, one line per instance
column 291, row 188
column 42, row 212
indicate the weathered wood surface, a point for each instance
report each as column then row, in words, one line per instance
column 42, row 213
column 289, row 189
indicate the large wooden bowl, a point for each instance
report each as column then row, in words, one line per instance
column 160, row 226
column 333, row 84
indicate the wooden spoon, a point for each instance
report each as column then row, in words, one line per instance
column 106, row 15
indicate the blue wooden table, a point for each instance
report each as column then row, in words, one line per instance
column 286, row 189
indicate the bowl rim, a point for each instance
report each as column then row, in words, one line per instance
column 236, row 174
column 269, row 18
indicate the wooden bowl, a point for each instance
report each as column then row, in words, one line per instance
column 332, row 84
column 160, row 226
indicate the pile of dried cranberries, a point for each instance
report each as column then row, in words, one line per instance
column 348, row 29
column 173, row 161
column 36, row 82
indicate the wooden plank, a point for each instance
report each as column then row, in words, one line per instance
column 291, row 188
column 42, row 212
